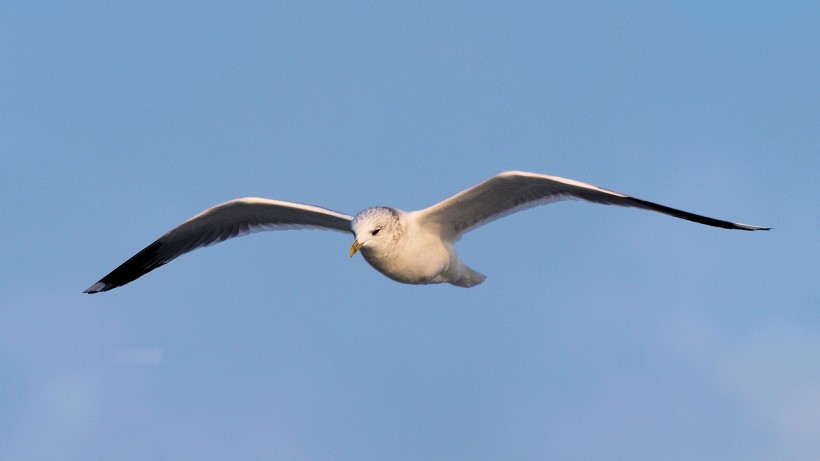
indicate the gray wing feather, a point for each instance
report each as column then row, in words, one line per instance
column 514, row 191
column 231, row 219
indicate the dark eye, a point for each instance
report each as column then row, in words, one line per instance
column 374, row 231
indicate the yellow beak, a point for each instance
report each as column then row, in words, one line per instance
column 355, row 247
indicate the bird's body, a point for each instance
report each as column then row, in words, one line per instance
column 413, row 251
column 414, row 247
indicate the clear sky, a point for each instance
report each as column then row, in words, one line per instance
column 600, row 332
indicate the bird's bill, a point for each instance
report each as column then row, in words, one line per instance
column 355, row 247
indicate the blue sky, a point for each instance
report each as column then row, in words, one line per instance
column 600, row 333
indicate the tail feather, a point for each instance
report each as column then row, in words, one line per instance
column 469, row 278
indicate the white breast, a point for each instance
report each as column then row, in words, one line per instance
column 418, row 257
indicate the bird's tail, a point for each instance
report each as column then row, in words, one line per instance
column 469, row 278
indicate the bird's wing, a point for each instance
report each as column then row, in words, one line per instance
column 513, row 191
column 224, row 221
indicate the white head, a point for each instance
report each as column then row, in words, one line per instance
column 376, row 229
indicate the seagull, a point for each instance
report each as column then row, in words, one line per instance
column 414, row 247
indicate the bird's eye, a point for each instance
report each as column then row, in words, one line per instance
column 374, row 231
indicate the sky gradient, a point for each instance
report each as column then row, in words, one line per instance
column 600, row 332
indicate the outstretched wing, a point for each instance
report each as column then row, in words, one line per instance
column 513, row 191
column 224, row 221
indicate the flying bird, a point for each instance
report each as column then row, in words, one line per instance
column 415, row 247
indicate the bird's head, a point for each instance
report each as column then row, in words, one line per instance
column 375, row 229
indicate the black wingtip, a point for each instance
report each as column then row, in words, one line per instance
column 98, row 287
column 748, row 227
column 138, row 265
column 692, row 216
